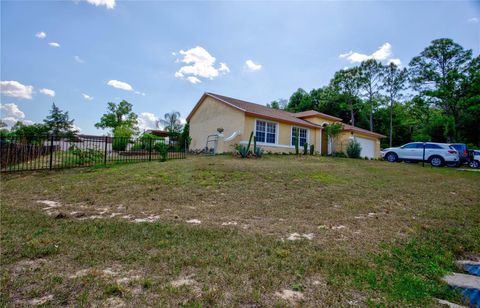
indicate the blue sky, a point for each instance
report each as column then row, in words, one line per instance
column 162, row 55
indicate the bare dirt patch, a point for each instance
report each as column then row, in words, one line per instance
column 290, row 296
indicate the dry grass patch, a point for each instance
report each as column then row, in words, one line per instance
column 347, row 213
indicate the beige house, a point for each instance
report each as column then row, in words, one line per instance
column 219, row 123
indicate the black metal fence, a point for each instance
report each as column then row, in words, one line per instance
column 22, row 153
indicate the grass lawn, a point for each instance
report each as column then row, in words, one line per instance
column 217, row 231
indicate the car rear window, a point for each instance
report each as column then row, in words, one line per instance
column 459, row 147
column 432, row 146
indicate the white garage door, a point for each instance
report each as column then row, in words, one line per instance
column 368, row 147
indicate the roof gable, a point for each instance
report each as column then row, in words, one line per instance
column 313, row 113
column 255, row 110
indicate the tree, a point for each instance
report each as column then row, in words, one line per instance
column 278, row 104
column 185, row 138
column 33, row 133
column 333, row 130
column 371, row 73
column 394, row 82
column 437, row 74
column 118, row 115
column 172, row 122
column 469, row 104
column 299, row 101
column 58, row 123
column 347, row 82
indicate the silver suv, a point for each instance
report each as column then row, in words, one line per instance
column 437, row 154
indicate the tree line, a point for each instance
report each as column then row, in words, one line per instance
column 435, row 98
column 119, row 119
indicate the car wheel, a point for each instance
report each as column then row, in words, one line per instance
column 392, row 157
column 436, row 161
column 475, row 164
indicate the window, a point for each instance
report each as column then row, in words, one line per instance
column 431, row 146
column 302, row 136
column 412, row 146
column 266, row 132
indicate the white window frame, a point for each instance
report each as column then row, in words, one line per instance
column 307, row 141
column 277, row 127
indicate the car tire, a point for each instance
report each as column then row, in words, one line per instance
column 436, row 161
column 475, row 164
column 391, row 157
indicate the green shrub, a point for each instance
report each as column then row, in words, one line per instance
column 162, row 148
column 258, row 152
column 137, row 147
column 312, row 149
column 121, row 138
column 339, row 154
column 354, row 149
column 82, row 157
column 305, row 148
column 148, row 141
column 296, row 141
column 242, row 150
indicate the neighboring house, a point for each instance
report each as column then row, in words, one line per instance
column 273, row 128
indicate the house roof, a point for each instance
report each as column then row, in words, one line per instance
column 256, row 110
column 262, row 111
column 347, row 128
column 312, row 113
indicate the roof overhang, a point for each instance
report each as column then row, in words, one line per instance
column 258, row 115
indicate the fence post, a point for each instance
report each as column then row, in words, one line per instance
column 150, row 150
column 51, row 152
column 105, row 155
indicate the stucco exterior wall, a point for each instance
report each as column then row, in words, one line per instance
column 210, row 115
column 284, row 136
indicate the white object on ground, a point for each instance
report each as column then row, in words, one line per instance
column 290, row 295
column 194, row 221
column 229, row 223
column 463, row 281
column 296, row 236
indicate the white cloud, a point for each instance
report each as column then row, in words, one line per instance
column 41, row 35
column 384, row 53
column 48, row 92
column 79, row 60
column 252, row 66
column 10, row 114
column 224, row 68
column 147, row 120
column 120, row 85
column 87, row 97
column 140, row 93
column 54, row 44
column 201, row 65
column 109, row 4
column 193, row 79
column 473, row 20
column 15, row 89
